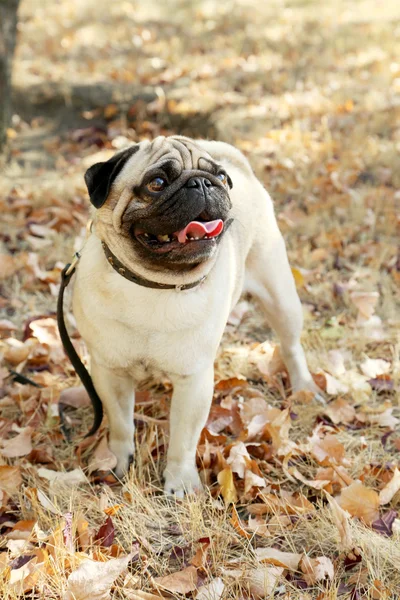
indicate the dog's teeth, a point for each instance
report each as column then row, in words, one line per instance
column 146, row 235
column 163, row 238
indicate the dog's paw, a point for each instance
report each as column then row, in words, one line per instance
column 309, row 385
column 181, row 480
column 124, row 453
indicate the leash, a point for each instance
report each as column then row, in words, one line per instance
column 70, row 351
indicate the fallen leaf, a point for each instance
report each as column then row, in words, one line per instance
column 235, row 522
column 298, row 277
column 102, row 459
column 385, row 524
column 212, row 590
column 287, row 560
column 365, row 303
column 340, row 411
column 228, row 490
column 16, row 352
column 105, row 535
column 20, row 445
column 141, row 595
column 93, row 580
column 360, row 502
column 252, row 480
column 10, row 479
column 237, row 459
column 70, row 478
column 259, row 526
column 180, row 582
column 8, row 266
column 372, row 367
column 327, row 450
column 317, row 569
column 46, row 331
column 263, row 580
column 391, row 488
column 75, row 396
column 341, row 520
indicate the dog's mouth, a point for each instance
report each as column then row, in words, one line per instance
column 195, row 232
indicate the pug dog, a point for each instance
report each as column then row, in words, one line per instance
column 181, row 228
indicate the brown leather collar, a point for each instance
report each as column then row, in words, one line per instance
column 134, row 278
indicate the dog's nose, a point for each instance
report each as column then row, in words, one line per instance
column 197, row 182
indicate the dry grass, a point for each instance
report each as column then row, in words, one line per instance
column 309, row 91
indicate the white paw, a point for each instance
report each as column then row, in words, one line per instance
column 181, row 479
column 123, row 452
column 310, row 386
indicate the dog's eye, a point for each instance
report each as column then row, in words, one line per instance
column 222, row 177
column 156, row 185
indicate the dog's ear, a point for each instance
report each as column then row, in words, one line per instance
column 100, row 176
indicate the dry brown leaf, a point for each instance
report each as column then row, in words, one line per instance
column 180, row 582
column 75, row 396
column 327, row 450
column 360, row 502
column 10, row 479
column 287, row 560
column 259, row 526
column 8, row 266
column 317, row 569
column 212, row 590
column 70, row 478
column 16, row 352
column 278, row 431
column 93, row 580
column 340, row 411
column 46, row 331
column 141, row 595
column 382, row 416
column 237, row 459
column 252, row 480
column 268, row 359
column 391, row 488
column 341, row 520
column 20, row 445
column 365, row 303
column 102, row 459
column 263, row 580
column 228, row 490
column 235, row 521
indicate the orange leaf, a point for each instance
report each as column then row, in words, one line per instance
column 360, row 502
column 235, row 521
column 228, row 490
column 180, row 582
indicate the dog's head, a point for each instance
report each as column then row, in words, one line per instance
column 167, row 199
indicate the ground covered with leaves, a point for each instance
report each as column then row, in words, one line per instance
column 302, row 498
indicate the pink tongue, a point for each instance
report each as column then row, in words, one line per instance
column 200, row 230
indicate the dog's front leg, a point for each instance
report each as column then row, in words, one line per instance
column 191, row 401
column 118, row 397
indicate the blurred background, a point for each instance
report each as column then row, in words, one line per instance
column 308, row 90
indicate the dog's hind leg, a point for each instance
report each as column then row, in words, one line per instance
column 118, row 397
column 270, row 280
column 191, row 401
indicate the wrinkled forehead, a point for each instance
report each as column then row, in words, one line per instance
column 175, row 153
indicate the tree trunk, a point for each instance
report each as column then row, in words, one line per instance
column 8, row 28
